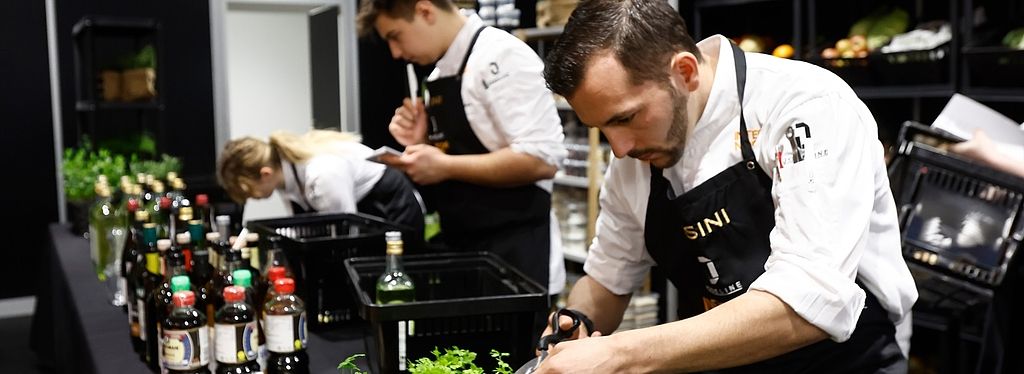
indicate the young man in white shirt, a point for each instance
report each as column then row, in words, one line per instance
column 756, row 184
column 486, row 143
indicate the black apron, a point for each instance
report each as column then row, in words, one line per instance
column 712, row 243
column 392, row 198
column 514, row 223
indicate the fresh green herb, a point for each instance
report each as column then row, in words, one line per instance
column 83, row 165
column 349, row 365
column 157, row 168
column 454, row 361
column 503, row 368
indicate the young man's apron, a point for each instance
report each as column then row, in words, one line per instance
column 513, row 223
column 712, row 243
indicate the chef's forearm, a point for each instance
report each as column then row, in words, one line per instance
column 602, row 306
column 501, row 168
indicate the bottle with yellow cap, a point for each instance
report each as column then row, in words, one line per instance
column 394, row 286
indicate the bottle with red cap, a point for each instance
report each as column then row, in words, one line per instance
column 273, row 273
column 186, row 337
column 236, row 334
column 204, row 211
column 285, row 326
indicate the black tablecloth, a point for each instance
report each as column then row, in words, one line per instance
column 77, row 329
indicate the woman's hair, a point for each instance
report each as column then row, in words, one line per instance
column 238, row 169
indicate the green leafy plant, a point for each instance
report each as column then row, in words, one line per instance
column 156, row 167
column 454, row 361
column 349, row 365
column 144, row 58
column 83, row 166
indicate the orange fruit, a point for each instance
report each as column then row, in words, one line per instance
column 783, row 51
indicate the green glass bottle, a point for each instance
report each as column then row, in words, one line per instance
column 106, row 239
column 394, row 286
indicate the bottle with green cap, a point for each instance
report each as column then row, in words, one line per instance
column 232, row 261
column 160, row 301
column 243, row 278
column 236, row 334
column 185, row 335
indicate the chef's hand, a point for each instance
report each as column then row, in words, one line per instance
column 409, row 125
column 425, row 164
column 564, row 324
column 980, row 147
column 594, row 354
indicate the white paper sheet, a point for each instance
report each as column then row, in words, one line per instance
column 962, row 115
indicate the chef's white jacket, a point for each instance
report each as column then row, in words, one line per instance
column 835, row 217
column 333, row 182
column 508, row 104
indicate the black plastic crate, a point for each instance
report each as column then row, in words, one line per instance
column 925, row 67
column 855, row 71
column 958, row 217
column 995, row 67
column 316, row 246
column 473, row 300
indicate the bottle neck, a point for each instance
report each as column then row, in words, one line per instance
column 153, row 262
column 394, row 263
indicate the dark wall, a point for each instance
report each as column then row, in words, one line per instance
column 185, row 74
column 26, row 117
column 27, row 140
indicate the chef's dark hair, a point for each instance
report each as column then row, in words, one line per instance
column 642, row 35
column 371, row 9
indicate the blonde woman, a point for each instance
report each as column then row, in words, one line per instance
column 319, row 171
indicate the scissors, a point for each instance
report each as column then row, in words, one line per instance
column 558, row 336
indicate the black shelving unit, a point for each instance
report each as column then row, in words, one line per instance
column 99, row 41
column 710, row 16
column 990, row 71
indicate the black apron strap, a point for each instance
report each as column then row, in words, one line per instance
column 740, row 60
column 302, row 192
column 469, row 51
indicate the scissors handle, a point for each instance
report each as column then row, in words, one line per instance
column 560, row 334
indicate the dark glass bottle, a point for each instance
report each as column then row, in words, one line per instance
column 147, row 281
column 204, row 211
column 285, row 326
column 202, row 271
column 130, row 260
column 185, row 336
column 232, row 261
column 236, row 334
column 158, row 302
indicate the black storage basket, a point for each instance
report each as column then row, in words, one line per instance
column 958, row 218
column 316, row 246
column 925, row 67
column 472, row 300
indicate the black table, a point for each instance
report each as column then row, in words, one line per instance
column 77, row 329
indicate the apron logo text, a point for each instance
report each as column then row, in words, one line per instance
column 725, row 291
column 703, row 228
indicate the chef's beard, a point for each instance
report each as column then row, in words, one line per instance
column 676, row 137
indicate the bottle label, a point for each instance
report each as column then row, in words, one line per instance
column 140, row 305
column 122, row 286
column 236, row 343
column 186, row 349
column 401, row 345
column 285, row 333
